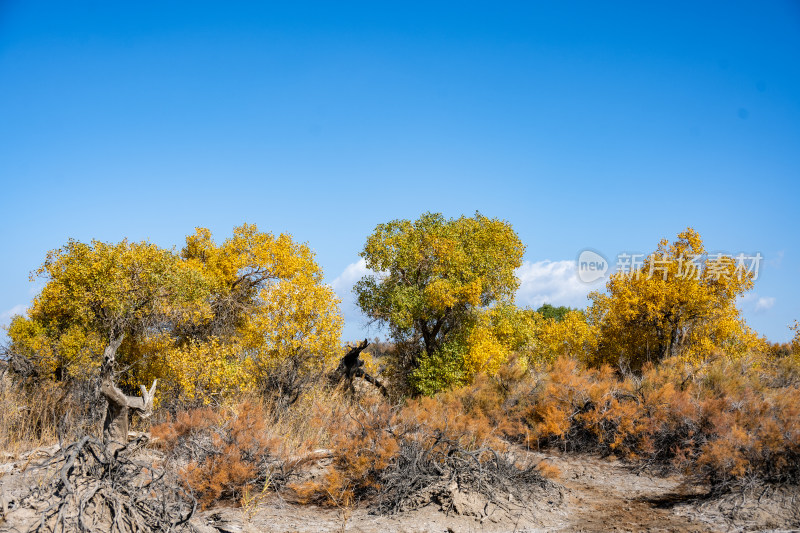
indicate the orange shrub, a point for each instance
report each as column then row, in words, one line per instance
column 549, row 470
column 225, row 451
column 722, row 420
column 373, row 438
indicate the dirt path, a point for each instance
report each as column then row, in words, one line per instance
column 606, row 495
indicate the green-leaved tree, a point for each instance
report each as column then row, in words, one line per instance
column 434, row 275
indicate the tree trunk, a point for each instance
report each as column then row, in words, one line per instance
column 115, row 425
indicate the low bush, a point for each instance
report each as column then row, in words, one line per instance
column 223, row 453
column 730, row 422
column 400, row 457
column 725, row 421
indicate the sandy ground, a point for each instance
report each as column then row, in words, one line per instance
column 596, row 494
column 591, row 494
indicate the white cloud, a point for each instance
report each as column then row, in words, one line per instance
column 18, row 309
column 355, row 322
column 764, row 303
column 754, row 303
column 352, row 273
column 553, row 282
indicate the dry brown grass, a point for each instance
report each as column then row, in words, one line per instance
column 37, row 414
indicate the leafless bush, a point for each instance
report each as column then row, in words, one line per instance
column 419, row 473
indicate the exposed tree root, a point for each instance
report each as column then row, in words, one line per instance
column 85, row 487
column 438, row 473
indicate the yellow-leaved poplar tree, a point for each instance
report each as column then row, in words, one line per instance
column 97, row 291
column 269, row 307
column 211, row 320
column 435, row 275
column 101, row 306
column 679, row 302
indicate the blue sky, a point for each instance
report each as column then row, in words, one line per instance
column 603, row 125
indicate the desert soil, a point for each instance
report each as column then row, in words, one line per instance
column 590, row 494
column 594, row 494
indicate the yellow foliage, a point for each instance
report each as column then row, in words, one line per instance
column 572, row 336
column 435, row 276
column 675, row 304
column 204, row 370
column 371, row 365
column 207, row 322
column 272, row 290
column 504, row 330
column 497, row 333
column 99, row 290
column 485, row 353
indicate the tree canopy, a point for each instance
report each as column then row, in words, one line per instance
column 679, row 302
column 434, row 274
column 556, row 313
column 99, row 291
column 211, row 318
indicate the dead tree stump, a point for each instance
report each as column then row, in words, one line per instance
column 351, row 367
